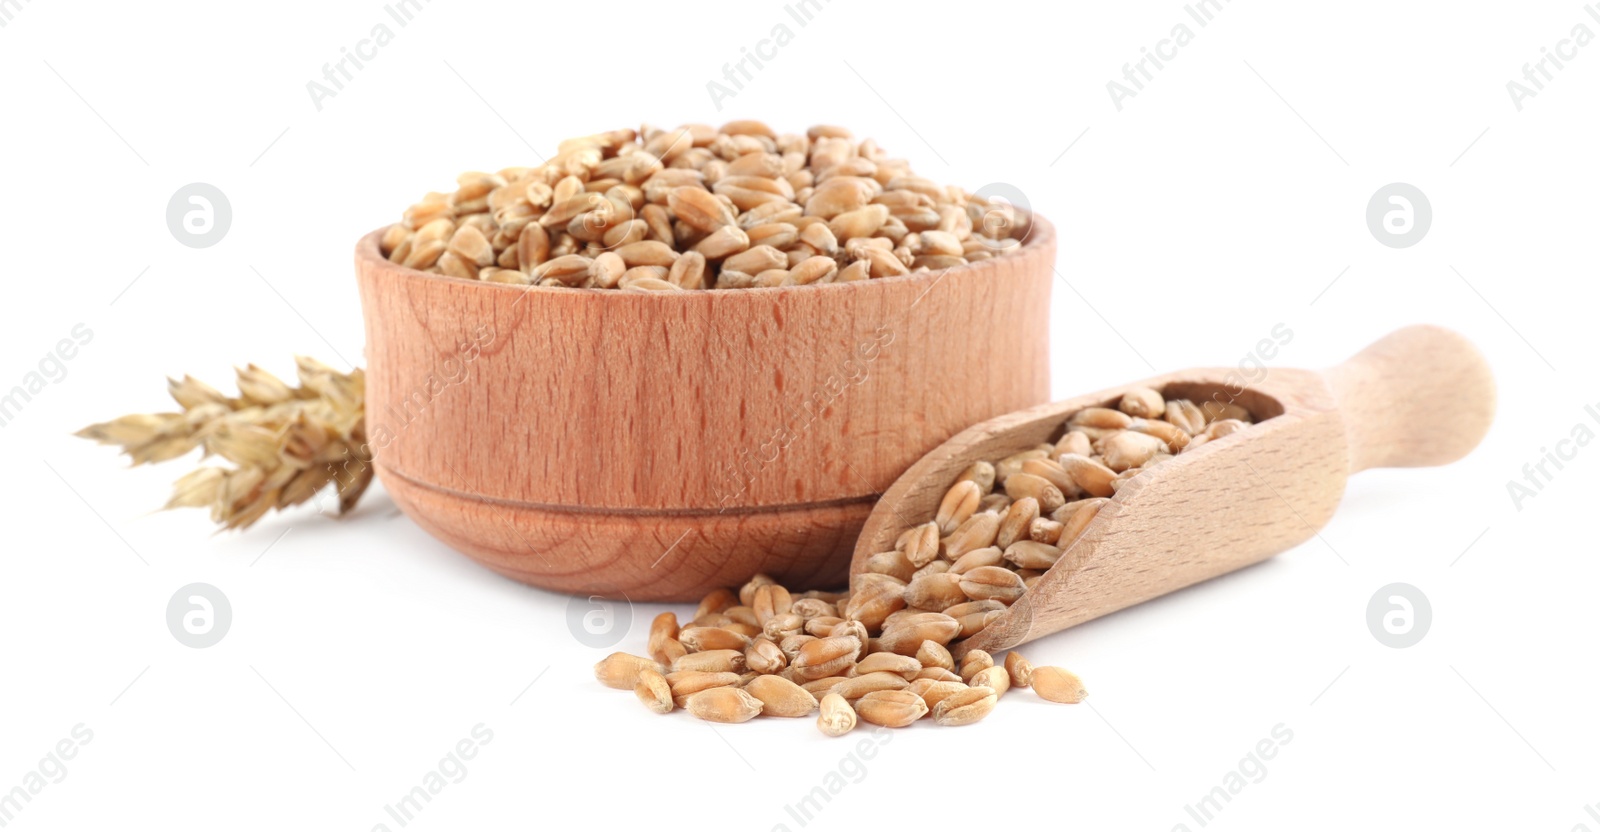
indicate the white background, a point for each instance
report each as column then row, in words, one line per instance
column 1222, row 200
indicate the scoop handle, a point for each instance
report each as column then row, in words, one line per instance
column 1419, row 396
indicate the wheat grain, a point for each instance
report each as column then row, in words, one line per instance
column 653, row 691
column 621, row 670
column 724, row 704
column 1058, row 685
column 760, row 208
column 884, row 645
column 837, row 717
column 891, row 708
column 964, row 707
column 1020, row 670
column 781, row 697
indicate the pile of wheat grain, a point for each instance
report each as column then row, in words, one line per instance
column 699, row 207
column 881, row 652
column 767, row 652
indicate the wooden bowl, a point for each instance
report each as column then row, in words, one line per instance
column 655, row 447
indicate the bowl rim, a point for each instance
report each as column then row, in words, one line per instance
column 1041, row 234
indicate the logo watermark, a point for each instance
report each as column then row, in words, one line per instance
column 1593, row 811
column 1399, row 215
column 1537, row 475
column 1250, row 770
column 752, row 60
column 1005, row 208
column 850, row 770
column 450, row 770
column 1399, row 615
column 1252, row 368
column 51, row 769
column 199, row 615
column 599, row 622
column 1137, row 74
column 337, row 73
column 199, row 215
column 9, row 9
column 52, row 369
column 1552, row 60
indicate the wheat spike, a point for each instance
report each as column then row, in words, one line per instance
column 286, row 443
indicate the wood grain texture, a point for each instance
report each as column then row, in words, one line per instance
column 1421, row 396
column 658, row 446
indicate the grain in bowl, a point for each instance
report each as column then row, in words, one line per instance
column 697, row 207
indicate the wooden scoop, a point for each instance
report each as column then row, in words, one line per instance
column 1420, row 396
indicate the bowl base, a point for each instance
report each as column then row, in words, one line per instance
column 599, row 553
